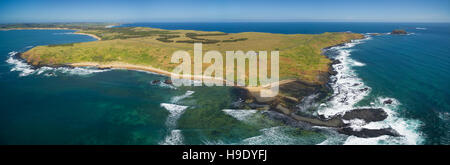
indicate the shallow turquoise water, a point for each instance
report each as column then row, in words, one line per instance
column 90, row 106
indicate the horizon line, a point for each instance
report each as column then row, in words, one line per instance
column 134, row 22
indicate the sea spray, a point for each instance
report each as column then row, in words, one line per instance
column 20, row 65
column 176, row 99
column 349, row 89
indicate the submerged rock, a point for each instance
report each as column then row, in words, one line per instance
column 155, row 82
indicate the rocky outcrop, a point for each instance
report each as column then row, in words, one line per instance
column 399, row 31
column 156, row 82
column 290, row 106
column 333, row 123
column 168, row 81
column 368, row 115
column 368, row 133
column 388, row 101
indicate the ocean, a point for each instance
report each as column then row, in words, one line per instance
column 93, row 106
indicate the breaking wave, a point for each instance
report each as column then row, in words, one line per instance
column 25, row 69
column 176, row 99
column 19, row 65
column 175, row 111
column 175, row 138
column 349, row 89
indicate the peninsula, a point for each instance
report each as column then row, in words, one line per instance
column 304, row 70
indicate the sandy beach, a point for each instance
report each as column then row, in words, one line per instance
column 119, row 65
column 91, row 35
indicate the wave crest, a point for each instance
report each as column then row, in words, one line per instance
column 25, row 69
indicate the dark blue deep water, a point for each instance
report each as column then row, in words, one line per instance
column 90, row 106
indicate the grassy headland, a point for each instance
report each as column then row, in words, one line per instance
column 304, row 70
column 300, row 54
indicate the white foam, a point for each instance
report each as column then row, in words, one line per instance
column 26, row 69
column 444, row 116
column 19, row 65
column 270, row 136
column 175, row 138
column 353, row 140
column 356, row 63
column 355, row 124
column 241, row 115
column 79, row 70
column 215, row 142
column 175, row 111
column 164, row 85
column 349, row 89
column 176, row 99
column 421, row 28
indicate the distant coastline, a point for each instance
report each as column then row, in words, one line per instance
column 91, row 35
column 8, row 29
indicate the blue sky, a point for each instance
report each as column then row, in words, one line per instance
column 224, row 10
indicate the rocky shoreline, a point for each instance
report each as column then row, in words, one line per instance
column 293, row 107
column 285, row 107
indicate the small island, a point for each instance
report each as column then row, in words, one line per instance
column 399, row 32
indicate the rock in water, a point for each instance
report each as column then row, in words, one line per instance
column 368, row 115
column 155, row 82
column 399, row 31
column 168, row 81
column 369, row 133
column 388, row 101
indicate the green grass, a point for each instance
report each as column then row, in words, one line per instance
column 300, row 54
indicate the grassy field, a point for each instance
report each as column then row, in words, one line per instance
column 300, row 54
